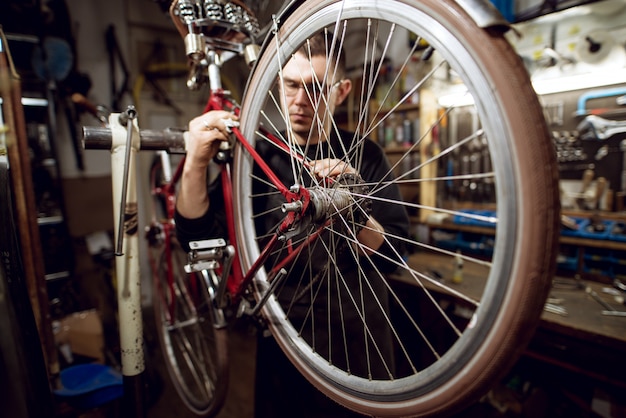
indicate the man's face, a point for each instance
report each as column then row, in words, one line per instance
column 301, row 93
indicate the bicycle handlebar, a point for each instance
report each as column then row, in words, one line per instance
column 170, row 140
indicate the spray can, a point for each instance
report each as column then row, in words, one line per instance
column 457, row 277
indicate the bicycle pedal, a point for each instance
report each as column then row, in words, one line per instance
column 199, row 266
column 207, row 244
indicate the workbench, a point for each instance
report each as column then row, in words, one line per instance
column 582, row 341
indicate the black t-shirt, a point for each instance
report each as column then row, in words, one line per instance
column 374, row 169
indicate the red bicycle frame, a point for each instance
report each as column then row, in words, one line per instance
column 237, row 281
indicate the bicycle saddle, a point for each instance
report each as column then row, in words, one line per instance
column 225, row 25
column 211, row 27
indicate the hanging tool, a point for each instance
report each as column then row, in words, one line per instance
column 621, row 195
column 600, row 189
column 622, row 148
column 586, row 182
column 52, row 61
column 457, row 277
column 152, row 70
column 596, row 128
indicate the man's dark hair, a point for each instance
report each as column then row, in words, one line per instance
column 319, row 45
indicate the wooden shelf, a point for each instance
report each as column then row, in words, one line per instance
column 405, row 107
column 582, row 242
column 598, row 259
column 401, row 150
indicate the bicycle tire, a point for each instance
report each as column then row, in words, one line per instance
column 447, row 367
column 194, row 349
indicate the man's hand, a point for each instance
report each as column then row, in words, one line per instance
column 372, row 235
column 331, row 167
column 204, row 137
column 203, row 141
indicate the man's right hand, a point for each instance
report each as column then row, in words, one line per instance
column 203, row 139
column 205, row 134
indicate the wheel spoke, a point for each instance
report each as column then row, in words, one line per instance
column 386, row 318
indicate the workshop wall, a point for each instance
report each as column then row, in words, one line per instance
column 577, row 62
column 146, row 67
column 581, row 40
column 118, row 42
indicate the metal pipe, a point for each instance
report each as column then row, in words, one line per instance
column 173, row 141
column 581, row 108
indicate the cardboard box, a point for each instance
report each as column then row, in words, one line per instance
column 82, row 332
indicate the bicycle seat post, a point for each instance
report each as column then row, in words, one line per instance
column 214, row 70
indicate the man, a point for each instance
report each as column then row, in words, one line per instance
column 281, row 391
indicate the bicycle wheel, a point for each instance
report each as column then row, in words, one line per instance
column 194, row 350
column 385, row 331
